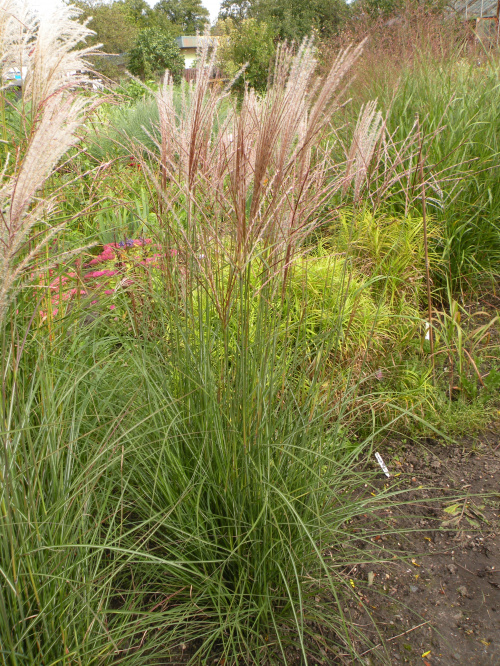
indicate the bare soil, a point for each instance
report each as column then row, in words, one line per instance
column 437, row 599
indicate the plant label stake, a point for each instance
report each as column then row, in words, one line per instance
column 382, row 464
column 426, row 255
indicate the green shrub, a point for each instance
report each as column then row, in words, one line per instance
column 136, row 122
column 153, row 53
column 249, row 44
column 390, row 248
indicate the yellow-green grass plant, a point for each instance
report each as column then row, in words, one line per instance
column 390, row 248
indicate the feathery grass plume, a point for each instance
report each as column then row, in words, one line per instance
column 10, row 27
column 53, row 136
column 253, row 178
column 48, row 47
column 382, row 165
column 366, row 136
column 186, row 130
column 47, row 43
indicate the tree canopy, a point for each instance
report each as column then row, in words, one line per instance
column 114, row 23
column 188, row 15
column 236, row 10
column 289, row 19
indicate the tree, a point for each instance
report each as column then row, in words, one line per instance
column 295, row 19
column 138, row 12
column 237, row 10
column 111, row 23
column 249, row 43
column 153, row 53
column 189, row 15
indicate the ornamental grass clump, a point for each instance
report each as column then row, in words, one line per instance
column 177, row 484
column 237, row 484
column 49, row 604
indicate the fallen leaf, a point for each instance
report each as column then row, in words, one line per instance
column 451, row 522
column 472, row 523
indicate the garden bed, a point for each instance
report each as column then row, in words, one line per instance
column 441, row 584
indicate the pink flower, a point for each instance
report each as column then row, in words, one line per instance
column 112, row 307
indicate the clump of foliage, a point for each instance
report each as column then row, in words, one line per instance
column 290, row 20
column 188, row 16
column 249, row 44
column 112, row 24
column 389, row 247
column 153, row 53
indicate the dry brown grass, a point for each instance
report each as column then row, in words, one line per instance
column 413, row 34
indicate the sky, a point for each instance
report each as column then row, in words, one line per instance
column 49, row 5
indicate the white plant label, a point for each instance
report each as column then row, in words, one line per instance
column 382, row 464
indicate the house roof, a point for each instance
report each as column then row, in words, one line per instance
column 193, row 42
column 472, row 9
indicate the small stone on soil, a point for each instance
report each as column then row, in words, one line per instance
column 464, row 592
